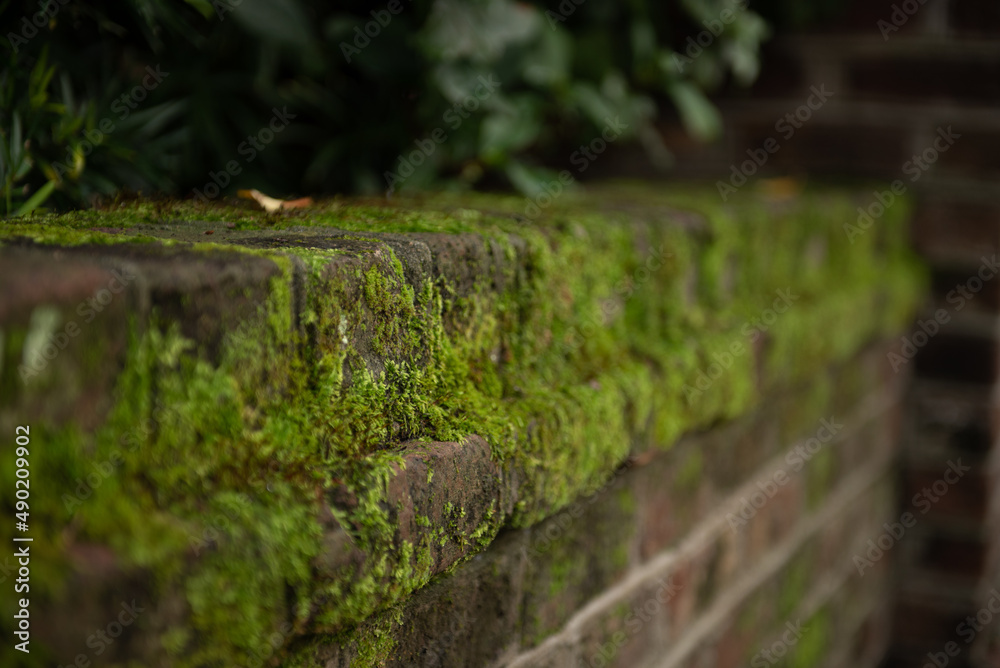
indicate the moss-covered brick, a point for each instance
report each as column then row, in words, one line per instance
column 573, row 556
column 263, row 383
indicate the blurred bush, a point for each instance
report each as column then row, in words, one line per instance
column 171, row 96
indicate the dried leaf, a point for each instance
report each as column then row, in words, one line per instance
column 271, row 204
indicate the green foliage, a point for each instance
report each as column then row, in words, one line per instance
column 171, row 97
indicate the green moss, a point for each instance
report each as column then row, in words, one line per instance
column 794, row 583
column 593, row 336
column 484, row 533
column 814, row 644
column 376, row 641
column 689, row 474
column 392, row 304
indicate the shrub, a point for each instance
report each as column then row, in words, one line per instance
column 170, row 96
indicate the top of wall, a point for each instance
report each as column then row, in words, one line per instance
column 283, row 423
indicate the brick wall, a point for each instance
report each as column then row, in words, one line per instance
column 915, row 92
column 742, row 544
column 685, row 477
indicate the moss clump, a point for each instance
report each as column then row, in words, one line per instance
column 603, row 326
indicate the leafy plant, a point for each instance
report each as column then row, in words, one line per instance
column 177, row 96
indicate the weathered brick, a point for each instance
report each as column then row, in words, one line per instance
column 924, row 483
column 632, row 631
column 209, row 295
column 947, row 285
column 776, row 516
column 444, row 495
column 667, row 512
column 953, row 558
column 924, row 624
column 761, row 617
column 74, row 315
column 570, row 560
column 470, row 618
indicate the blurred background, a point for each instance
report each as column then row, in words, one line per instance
column 292, row 97
column 154, row 95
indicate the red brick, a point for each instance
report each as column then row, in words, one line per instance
column 871, row 638
column 945, row 284
column 924, row 624
column 571, row 560
column 820, row 147
column 87, row 342
column 953, row 557
column 777, row 517
column 926, row 78
column 965, row 499
column 469, row 618
column 733, row 646
column 631, row 632
column 973, row 155
column 949, row 228
column 947, row 416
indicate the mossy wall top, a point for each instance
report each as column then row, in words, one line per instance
column 225, row 438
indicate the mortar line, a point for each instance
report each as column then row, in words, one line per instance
column 874, row 404
column 856, row 484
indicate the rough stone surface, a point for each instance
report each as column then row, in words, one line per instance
column 435, row 434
